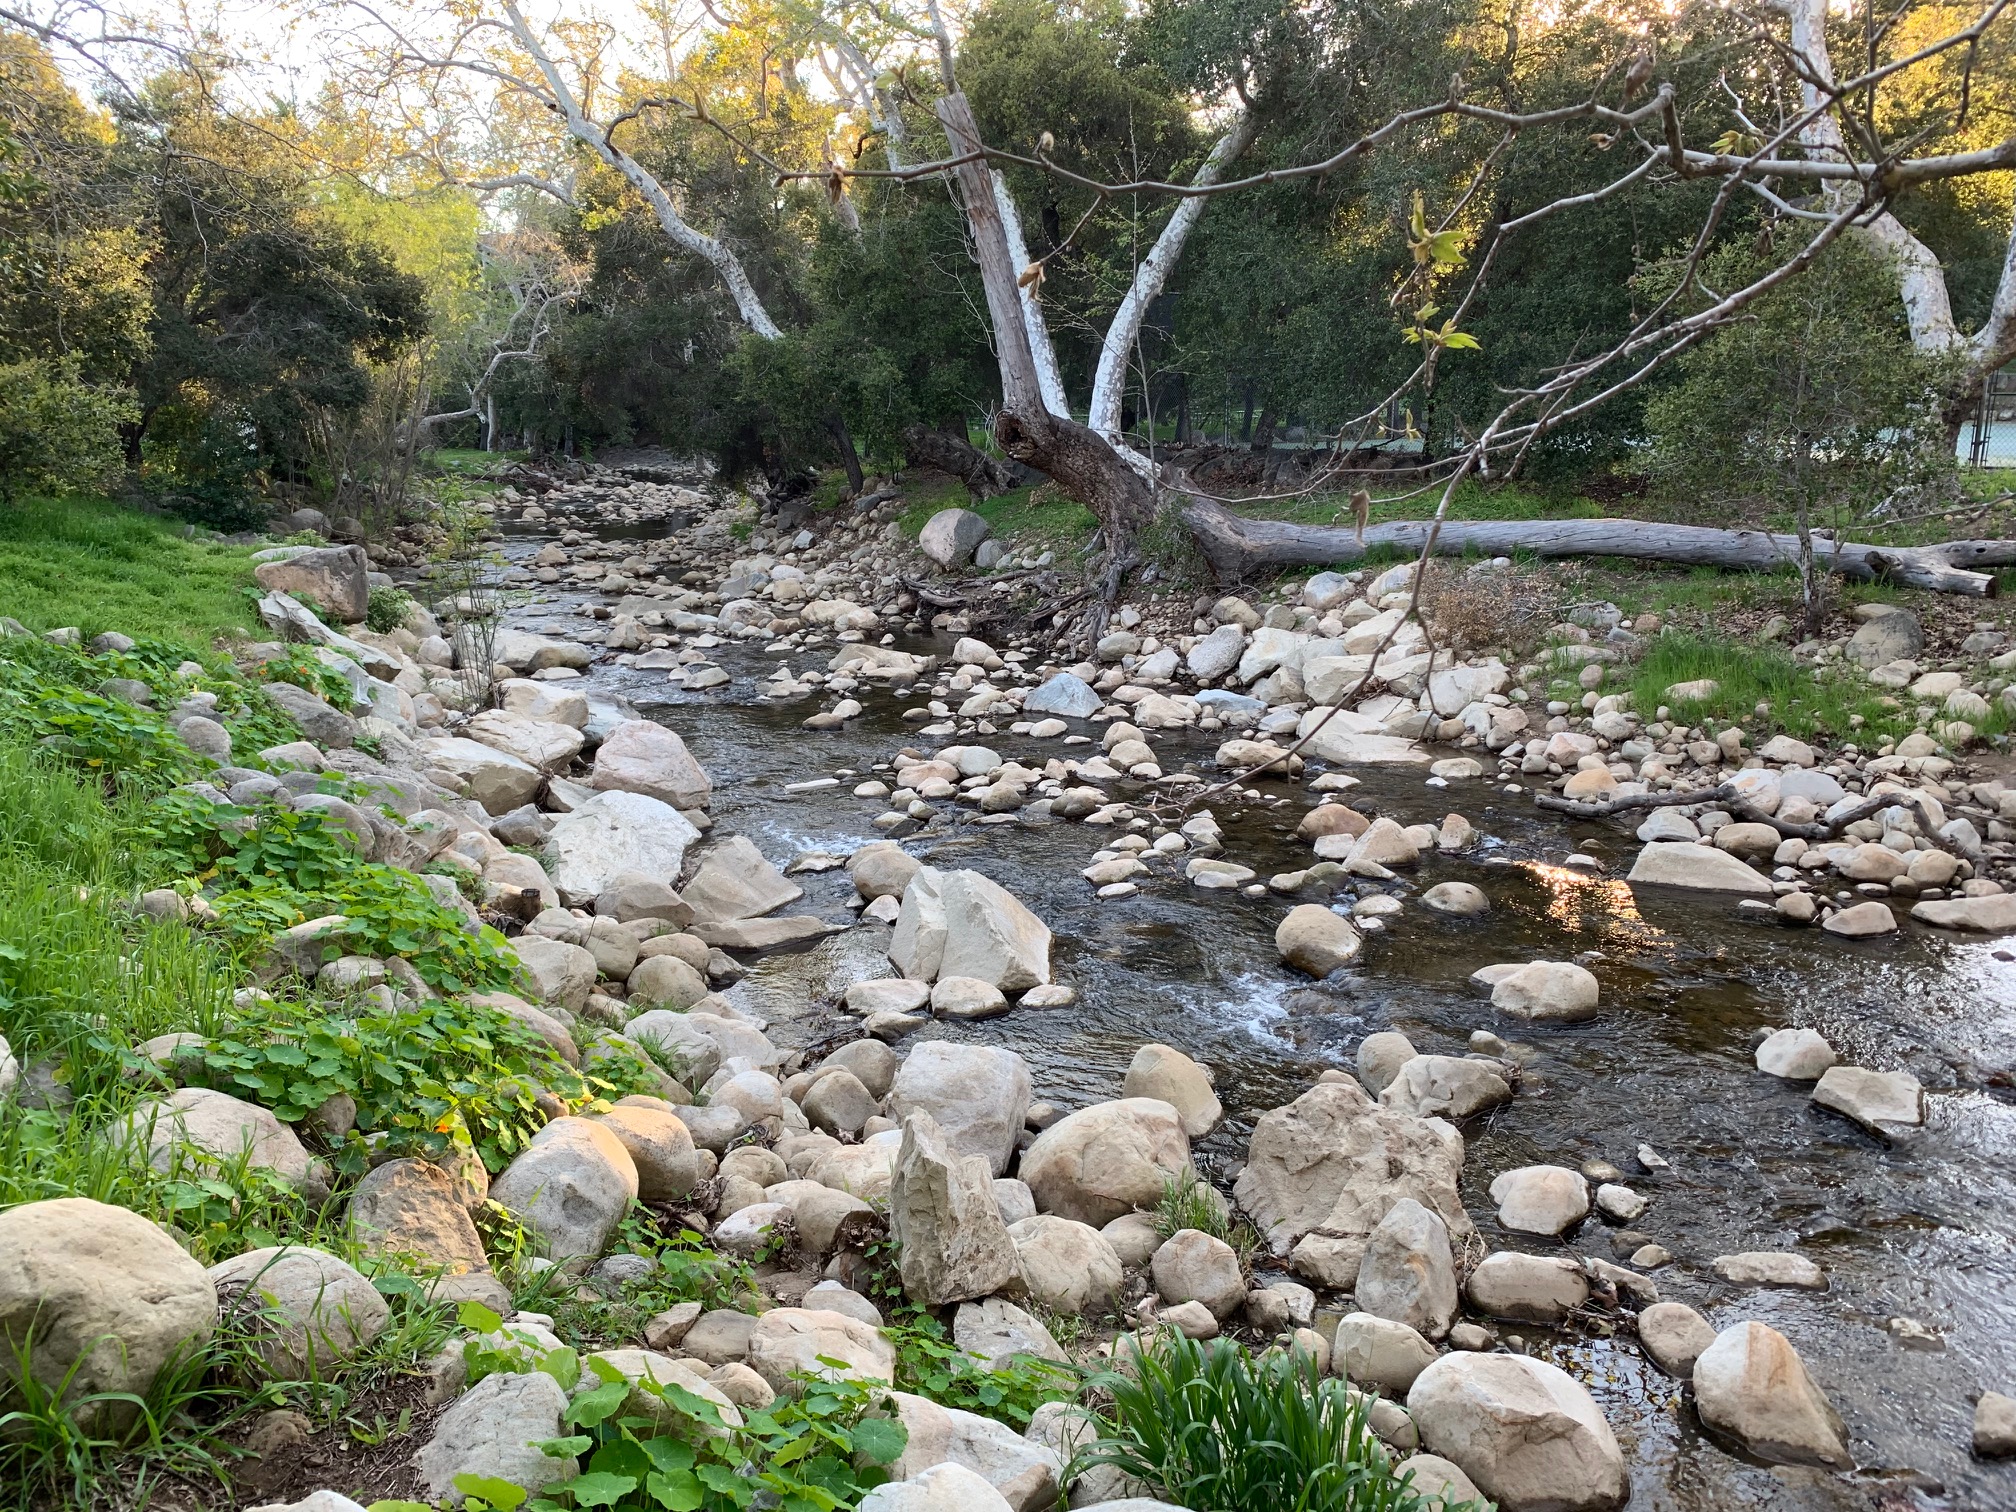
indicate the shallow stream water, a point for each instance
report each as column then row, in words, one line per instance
column 1925, row 1231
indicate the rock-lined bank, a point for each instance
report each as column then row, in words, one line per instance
column 643, row 909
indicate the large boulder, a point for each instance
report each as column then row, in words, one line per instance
column 554, row 971
column 95, row 1300
column 942, row 1488
column 1548, row 992
column 1379, row 1354
column 213, row 1129
column 951, row 536
column 1444, row 1086
column 615, row 835
column 524, row 651
column 1894, row 636
column 569, row 1187
column 1889, row 1103
column 952, row 1245
column 1323, row 1172
column 496, row 780
column 673, row 1037
column 1529, row 1288
column 1066, row 696
column 1193, row 1266
column 1408, row 1273
column 1524, row 1431
column 334, row 580
column 1024, row 1473
column 540, row 743
column 735, row 882
column 1678, row 863
column 1106, row 1160
column 554, row 702
column 495, row 1428
column 413, row 1208
column 882, row 869
column 997, row 1331
column 962, row 924
column 978, row 1094
column 1751, row 1385
column 1313, row 939
column 305, row 1310
column 660, row 1146
column 641, row 756
column 790, row 1342
column 1067, row 1266
column 1170, row 1076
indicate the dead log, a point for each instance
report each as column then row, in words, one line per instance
column 1239, row 548
column 984, row 476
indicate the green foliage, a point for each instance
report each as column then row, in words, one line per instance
column 687, row 1269
column 272, row 868
column 436, row 1077
column 387, row 610
column 300, row 666
column 58, row 434
column 1818, row 400
column 929, row 1365
column 819, row 1449
column 1208, row 1426
column 1801, row 700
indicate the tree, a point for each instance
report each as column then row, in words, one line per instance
column 1818, row 403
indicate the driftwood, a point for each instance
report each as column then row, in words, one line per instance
column 1238, row 547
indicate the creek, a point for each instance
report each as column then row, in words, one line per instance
column 1925, row 1231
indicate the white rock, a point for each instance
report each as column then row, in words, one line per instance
column 1795, row 1054
column 1540, row 1199
column 1547, row 992
column 1889, row 1103
column 1672, row 864
column 1751, row 1385
column 612, row 834
column 1524, row 1431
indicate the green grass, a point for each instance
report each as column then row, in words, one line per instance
column 100, row 566
column 466, row 460
column 1802, row 701
column 1205, row 1425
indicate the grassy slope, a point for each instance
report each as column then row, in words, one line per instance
column 95, row 565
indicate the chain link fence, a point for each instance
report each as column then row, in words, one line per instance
column 1990, row 439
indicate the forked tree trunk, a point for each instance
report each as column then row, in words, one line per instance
column 1239, row 548
column 1084, row 465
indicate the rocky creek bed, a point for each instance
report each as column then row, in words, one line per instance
column 1918, row 1241
column 1624, row 1100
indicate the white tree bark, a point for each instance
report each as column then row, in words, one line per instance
column 725, row 263
column 1110, row 383
column 1921, row 282
column 1048, row 376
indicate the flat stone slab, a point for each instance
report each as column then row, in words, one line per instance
column 1889, row 1103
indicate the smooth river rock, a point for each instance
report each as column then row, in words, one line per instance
column 1524, row 1431
column 1751, row 1385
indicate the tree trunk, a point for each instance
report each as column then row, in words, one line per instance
column 984, row 476
column 850, row 456
column 1239, row 548
column 1084, row 465
column 1263, row 437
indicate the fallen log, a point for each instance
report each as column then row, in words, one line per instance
column 1239, row 548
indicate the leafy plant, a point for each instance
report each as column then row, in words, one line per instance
column 304, row 669
column 57, row 433
column 926, row 1363
column 819, row 1449
column 386, row 610
column 1208, row 1426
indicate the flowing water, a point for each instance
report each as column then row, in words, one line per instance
column 1925, row 1231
